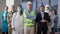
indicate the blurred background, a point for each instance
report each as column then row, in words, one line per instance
column 54, row 4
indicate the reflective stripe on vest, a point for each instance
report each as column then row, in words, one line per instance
column 32, row 12
column 29, row 22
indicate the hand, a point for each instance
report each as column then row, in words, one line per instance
column 44, row 21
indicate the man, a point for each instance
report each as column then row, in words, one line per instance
column 29, row 17
column 42, row 18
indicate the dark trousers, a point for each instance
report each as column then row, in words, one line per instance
column 4, row 32
column 43, row 31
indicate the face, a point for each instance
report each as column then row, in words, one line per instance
column 29, row 6
column 47, row 8
column 6, row 8
column 13, row 7
column 18, row 8
column 42, row 9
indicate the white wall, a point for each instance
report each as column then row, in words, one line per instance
column 9, row 3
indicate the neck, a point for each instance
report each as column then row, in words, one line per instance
column 29, row 9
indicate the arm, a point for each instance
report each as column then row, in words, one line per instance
column 56, row 19
column 12, row 23
column 34, row 23
column 48, row 18
column 36, row 20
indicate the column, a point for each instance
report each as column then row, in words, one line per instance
column 9, row 3
column 59, row 13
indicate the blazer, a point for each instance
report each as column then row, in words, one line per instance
column 40, row 25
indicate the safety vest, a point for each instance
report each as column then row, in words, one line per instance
column 27, row 21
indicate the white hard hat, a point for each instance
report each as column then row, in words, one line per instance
column 29, row 3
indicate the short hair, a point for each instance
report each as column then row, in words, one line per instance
column 42, row 6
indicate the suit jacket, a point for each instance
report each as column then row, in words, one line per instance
column 40, row 25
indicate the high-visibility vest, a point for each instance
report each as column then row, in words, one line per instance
column 27, row 21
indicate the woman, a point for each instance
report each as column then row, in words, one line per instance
column 54, row 20
column 17, row 21
column 4, row 21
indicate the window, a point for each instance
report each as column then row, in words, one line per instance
column 26, row 0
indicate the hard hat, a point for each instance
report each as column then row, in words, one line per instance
column 29, row 3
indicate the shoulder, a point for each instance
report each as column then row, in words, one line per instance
column 45, row 12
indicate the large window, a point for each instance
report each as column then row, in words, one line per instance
column 54, row 4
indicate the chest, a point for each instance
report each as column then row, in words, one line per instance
column 44, row 16
column 18, row 17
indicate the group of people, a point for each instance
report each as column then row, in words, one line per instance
column 24, row 22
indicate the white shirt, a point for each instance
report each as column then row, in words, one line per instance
column 17, row 21
column 42, row 14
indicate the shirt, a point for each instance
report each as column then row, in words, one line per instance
column 42, row 14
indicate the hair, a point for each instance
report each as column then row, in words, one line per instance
column 55, row 11
column 42, row 6
column 21, row 12
column 20, row 6
column 7, row 7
